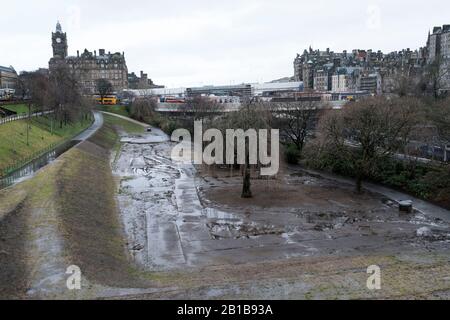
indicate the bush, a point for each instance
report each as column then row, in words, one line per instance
column 164, row 123
column 292, row 154
column 170, row 126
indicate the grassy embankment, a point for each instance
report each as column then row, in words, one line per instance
column 120, row 110
column 158, row 120
column 86, row 198
column 42, row 135
column 76, row 195
column 122, row 124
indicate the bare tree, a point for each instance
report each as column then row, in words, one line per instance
column 33, row 86
column 252, row 115
column 296, row 120
column 402, row 84
column 201, row 108
column 22, row 88
column 143, row 108
column 104, row 88
column 366, row 132
column 438, row 114
column 64, row 95
column 436, row 77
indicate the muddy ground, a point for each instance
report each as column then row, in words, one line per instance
column 183, row 220
column 141, row 226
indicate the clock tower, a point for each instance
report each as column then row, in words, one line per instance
column 59, row 43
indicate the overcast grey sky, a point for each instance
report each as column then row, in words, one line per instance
column 186, row 43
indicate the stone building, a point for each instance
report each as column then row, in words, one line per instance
column 439, row 47
column 370, row 83
column 8, row 78
column 88, row 67
column 142, row 82
column 322, row 70
column 439, row 43
column 323, row 78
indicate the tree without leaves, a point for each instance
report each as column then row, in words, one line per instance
column 435, row 77
column 33, row 86
column 22, row 88
column 65, row 96
column 252, row 115
column 143, row 108
column 296, row 120
column 438, row 114
column 104, row 88
column 403, row 84
column 365, row 132
column 201, row 108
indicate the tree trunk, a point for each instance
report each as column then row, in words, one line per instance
column 359, row 180
column 246, row 191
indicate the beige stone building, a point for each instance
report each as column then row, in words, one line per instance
column 89, row 67
column 8, row 78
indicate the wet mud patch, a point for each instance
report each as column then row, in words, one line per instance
column 321, row 215
column 238, row 230
column 180, row 216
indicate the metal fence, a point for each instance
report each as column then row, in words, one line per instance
column 22, row 116
column 25, row 161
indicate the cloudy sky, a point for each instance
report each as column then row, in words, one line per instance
column 200, row 42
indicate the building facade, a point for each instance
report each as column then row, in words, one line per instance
column 89, row 67
column 341, row 83
column 142, row 82
column 312, row 67
column 439, row 48
column 8, row 78
column 323, row 78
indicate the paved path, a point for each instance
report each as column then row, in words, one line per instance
column 420, row 205
column 86, row 134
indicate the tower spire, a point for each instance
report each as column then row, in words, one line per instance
column 58, row 27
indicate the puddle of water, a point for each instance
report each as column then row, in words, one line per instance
column 139, row 184
column 218, row 215
column 224, row 225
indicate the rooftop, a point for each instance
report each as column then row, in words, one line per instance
column 7, row 69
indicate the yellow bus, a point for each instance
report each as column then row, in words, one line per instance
column 108, row 100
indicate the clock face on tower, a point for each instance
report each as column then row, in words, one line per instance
column 58, row 40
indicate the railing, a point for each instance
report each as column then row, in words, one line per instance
column 27, row 160
column 23, row 116
column 24, row 161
